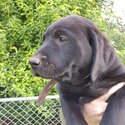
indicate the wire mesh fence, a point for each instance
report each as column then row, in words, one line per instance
column 23, row 111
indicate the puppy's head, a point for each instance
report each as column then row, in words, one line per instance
column 67, row 48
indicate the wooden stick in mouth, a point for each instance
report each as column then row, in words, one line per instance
column 44, row 92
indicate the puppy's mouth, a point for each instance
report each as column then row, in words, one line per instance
column 45, row 71
column 50, row 72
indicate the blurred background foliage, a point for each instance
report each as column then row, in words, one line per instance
column 22, row 23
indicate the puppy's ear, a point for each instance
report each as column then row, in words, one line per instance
column 98, row 62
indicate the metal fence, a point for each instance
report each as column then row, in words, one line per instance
column 23, row 111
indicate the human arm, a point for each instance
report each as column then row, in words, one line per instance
column 94, row 110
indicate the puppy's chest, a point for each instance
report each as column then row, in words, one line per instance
column 81, row 91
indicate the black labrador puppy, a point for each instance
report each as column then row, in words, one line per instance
column 76, row 54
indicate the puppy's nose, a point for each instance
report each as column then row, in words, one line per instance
column 35, row 61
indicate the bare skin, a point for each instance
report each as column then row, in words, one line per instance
column 94, row 110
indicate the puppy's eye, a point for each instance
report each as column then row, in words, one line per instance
column 62, row 39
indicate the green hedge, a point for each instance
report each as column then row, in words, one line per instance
column 21, row 24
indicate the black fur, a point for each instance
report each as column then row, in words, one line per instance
column 80, row 58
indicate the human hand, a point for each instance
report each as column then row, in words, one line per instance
column 94, row 110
